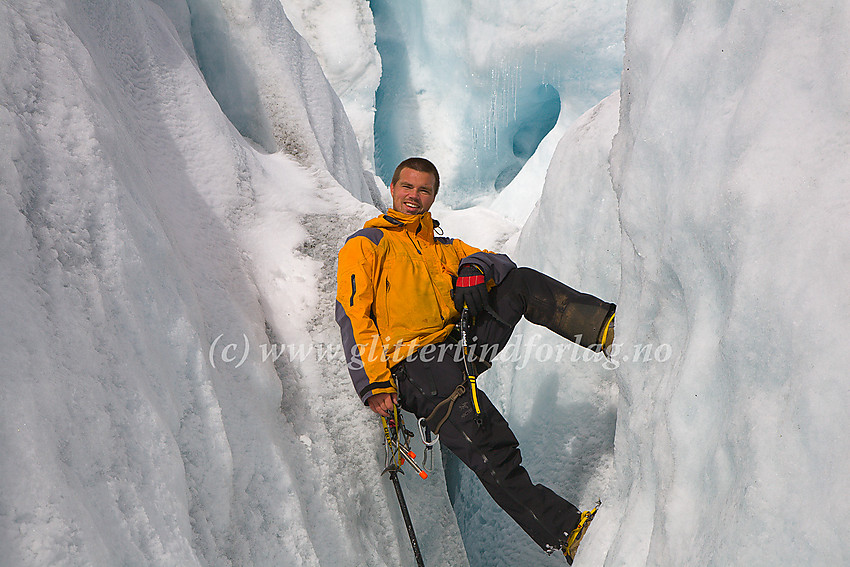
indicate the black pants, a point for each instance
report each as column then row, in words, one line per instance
column 485, row 442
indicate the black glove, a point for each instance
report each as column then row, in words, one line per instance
column 470, row 289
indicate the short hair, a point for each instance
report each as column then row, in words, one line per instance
column 418, row 164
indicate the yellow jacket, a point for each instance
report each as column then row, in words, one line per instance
column 394, row 293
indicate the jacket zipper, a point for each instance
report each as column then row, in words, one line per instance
column 353, row 291
column 430, row 278
column 414, row 243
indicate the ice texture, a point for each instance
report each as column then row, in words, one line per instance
column 177, row 177
column 146, row 245
column 477, row 85
column 342, row 34
column 731, row 175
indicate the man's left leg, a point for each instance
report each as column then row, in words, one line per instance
column 486, row 444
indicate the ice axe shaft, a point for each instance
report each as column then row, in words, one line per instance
column 406, row 516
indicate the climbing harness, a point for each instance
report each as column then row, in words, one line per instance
column 471, row 372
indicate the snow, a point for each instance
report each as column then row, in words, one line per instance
column 177, row 178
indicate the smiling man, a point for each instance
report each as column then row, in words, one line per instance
column 400, row 293
column 414, row 191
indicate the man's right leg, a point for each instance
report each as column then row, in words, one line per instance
column 544, row 301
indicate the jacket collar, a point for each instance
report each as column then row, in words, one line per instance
column 421, row 225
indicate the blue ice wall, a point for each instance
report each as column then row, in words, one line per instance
column 398, row 131
column 537, row 111
column 399, row 120
column 477, row 108
column 227, row 74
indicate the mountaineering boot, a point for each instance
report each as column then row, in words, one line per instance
column 571, row 547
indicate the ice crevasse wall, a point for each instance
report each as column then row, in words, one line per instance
column 731, row 176
column 131, row 204
column 142, row 220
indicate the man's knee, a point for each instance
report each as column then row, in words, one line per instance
column 484, row 442
column 518, row 279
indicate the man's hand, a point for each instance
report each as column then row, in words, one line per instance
column 470, row 289
column 382, row 404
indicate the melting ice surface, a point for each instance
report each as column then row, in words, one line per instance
column 478, row 85
column 155, row 254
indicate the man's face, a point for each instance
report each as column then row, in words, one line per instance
column 413, row 193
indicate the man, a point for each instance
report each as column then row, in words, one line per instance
column 400, row 294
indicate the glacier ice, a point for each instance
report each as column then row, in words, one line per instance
column 139, row 228
column 730, row 173
column 342, row 34
column 270, row 85
column 475, row 86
